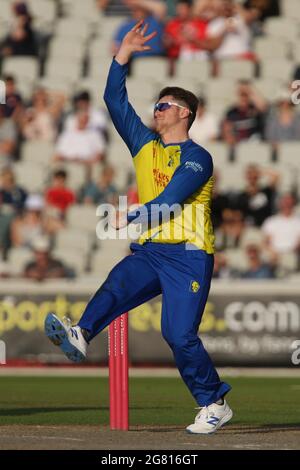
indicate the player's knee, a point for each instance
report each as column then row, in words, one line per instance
column 184, row 343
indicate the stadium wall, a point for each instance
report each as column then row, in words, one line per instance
column 245, row 323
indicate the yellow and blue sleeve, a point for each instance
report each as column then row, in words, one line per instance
column 128, row 124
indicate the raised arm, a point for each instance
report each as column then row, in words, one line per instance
column 130, row 127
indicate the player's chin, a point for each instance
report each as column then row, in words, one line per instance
column 158, row 125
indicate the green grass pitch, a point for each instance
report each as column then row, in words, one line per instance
column 153, row 401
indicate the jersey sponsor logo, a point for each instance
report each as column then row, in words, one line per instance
column 160, row 178
column 195, row 166
column 194, row 286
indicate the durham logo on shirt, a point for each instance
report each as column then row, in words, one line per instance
column 194, row 286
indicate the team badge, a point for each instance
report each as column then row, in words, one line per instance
column 194, row 286
column 171, row 161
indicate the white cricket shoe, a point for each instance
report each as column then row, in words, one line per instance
column 210, row 418
column 69, row 338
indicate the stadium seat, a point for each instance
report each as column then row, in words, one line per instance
column 285, row 28
column 119, row 155
column 258, row 153
column 64, row 68
column 289, row 154
column 140, row 90
column 288, row 176
column 44, row 10
column 296, row 52
column 82, row 217
column 232, row 179
column 6, row 11
column 73, row 28
column 290, row 9
column 150, row 68
column 21, row 67
column 64, row 48
column 73, row 239
column 98, row 69
column 220, row 154
column 271, row 48
column 59, row 84
column 287, row 262
column 223, row 89
column 99, row 49
column 109, row 26
column 72, row 258
column 95, row 86
column 26, row 88
column 268, row 87
column 197, row 70
column 236, row 258
column 18, row 258
column 85, row 10
column 37, row 152
column 4, row 28
column 237, row 69
column 277, row 69
column 31, row 177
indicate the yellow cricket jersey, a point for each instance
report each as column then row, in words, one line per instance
column 177, row 176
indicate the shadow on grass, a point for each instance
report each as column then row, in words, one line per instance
column 33, row 411
column 37, row 410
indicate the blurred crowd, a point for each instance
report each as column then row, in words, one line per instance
column 257, row 228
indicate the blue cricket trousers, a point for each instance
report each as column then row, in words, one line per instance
column 183, row 277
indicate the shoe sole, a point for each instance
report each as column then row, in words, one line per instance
column 221, row 423
column 56, row 332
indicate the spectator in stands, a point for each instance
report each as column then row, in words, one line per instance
column 41, row 119
column 14, row 103
column 97, row 116
column 205, row 128
column 8, row 136
column 283, row 122
column 257, row 201
column 221, row 268
column 11, row 195
column 220, row 202
column 5, row 270
column 257, row 269
column 153, row 13
column 296, row 74
column 229, row 34
column 206, row 9
column 21, row 39
column 244, row 120
column 30, row 223
column 183, row 33
column 81, row 145
column 58, row 195
column 44, row 266
column 230, row 232
column 12, row 198
column 266, row 8
column 282, row 231
column 102, row 191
